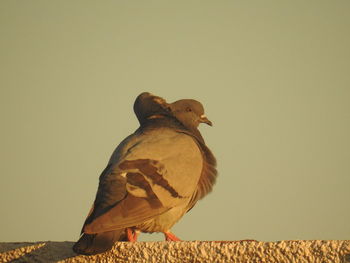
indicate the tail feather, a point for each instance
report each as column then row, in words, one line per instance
column 91, row 244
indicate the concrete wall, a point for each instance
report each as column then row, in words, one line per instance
column 317, row 251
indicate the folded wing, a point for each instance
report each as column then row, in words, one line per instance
column 159, row 171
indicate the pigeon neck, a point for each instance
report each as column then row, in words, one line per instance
column 158, row 120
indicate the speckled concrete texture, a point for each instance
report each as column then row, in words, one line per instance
column 317, row 251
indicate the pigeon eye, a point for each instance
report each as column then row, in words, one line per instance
column 188, row 109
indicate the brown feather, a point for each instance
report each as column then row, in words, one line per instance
column 129, row 212
column 209, row 173
column 98, row 243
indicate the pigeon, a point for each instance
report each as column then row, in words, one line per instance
column 154, row 176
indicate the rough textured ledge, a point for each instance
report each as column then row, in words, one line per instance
column 318, row 251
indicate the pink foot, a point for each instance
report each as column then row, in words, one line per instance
column 131, row 234
column 171, row 237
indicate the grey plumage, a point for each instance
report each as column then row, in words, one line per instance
column 154, row 176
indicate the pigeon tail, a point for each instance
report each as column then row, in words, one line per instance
column 91, row 244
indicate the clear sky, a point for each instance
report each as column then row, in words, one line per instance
column 274, row 77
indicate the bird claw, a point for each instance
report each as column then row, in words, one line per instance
column 171, row 237
column 131, row 234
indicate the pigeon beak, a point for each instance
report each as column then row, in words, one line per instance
column 204, row 119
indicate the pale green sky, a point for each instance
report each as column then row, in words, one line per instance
column 274, row 77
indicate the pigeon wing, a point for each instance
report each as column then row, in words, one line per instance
column 160, row 171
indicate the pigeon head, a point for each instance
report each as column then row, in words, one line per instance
column 189, row 112
column 149, row 106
